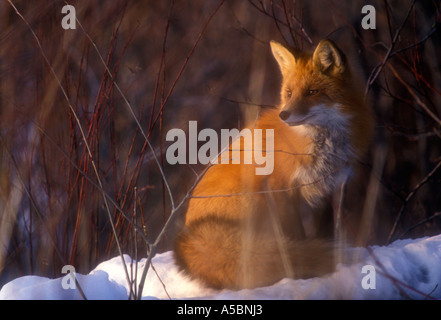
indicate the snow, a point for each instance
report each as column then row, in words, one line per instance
column 404, row 269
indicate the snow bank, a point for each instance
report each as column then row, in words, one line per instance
column 404, row 269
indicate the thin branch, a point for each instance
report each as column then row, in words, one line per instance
column 131, row 112
column 396, row 282
column 175, row 209
column 95, row 184
column 414, row 95
column 288, row 21
column 38, row 212
column 408, row 198
column 73, row 113
column 434, row 216
column 413, row 45
column 298, row 186
column 379, row 68
column 153, row 247
column 164, row 102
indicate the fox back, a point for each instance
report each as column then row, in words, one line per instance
column 244, row 230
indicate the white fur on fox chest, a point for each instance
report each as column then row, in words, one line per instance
column 331, row 151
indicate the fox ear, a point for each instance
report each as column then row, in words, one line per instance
column 283, row 56
column 328, row 58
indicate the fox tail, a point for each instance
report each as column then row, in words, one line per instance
column 217, row 251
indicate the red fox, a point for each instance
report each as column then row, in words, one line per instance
column 244, row 230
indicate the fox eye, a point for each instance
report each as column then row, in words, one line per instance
column 289, row 93
column 312, row 92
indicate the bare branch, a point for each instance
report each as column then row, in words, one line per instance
column 410, row 195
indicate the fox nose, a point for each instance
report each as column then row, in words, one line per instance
column 284, row 115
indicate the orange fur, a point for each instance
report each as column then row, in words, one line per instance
column 244, row 230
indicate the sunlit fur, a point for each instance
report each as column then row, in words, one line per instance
column 243, row 230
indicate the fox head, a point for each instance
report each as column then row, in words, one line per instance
column 316, row 87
